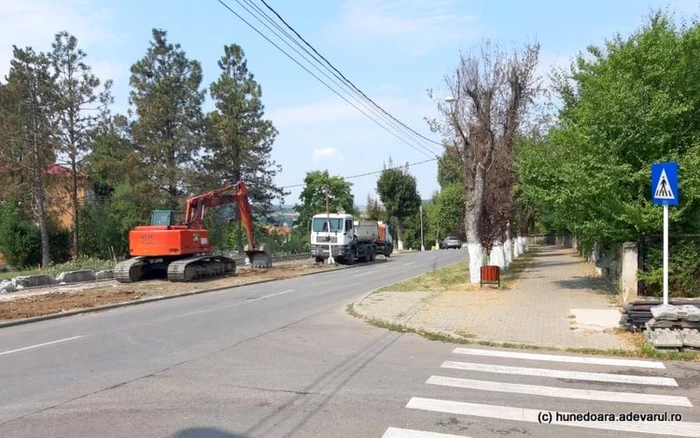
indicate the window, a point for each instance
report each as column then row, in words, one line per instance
column 348, row 225
column 320, row 225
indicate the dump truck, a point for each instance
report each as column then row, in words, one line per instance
column 348, row 240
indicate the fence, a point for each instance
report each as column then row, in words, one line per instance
column 684, row 265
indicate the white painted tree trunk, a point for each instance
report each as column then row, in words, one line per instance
column 516, row 247
column 521, row 244
column 400, row 244
column 475, row 261
column 508, row 249
column 527, row 243
column 498, row 256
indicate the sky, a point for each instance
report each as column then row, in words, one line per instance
column 392, row 50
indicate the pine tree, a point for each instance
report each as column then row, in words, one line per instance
column 80, row 107
column 30, row 90
column 168, row 106
column 239, row 139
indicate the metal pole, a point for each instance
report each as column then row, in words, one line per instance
column 422, row 245
column 665, row 254
column 331, row 260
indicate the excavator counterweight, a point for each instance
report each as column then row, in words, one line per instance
column 182, row 251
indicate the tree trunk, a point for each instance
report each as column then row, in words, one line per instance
column 40, row 200
column 399, row 234
column 74, row 204
column 474, row 207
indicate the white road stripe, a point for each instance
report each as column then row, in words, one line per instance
column 551, row 391
column 395, row 432
column 39, row 345
column 676, row 428
column 560, row 358
column 272, row 295
column 558, row 374
column 364, row 273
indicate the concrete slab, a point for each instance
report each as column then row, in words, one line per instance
column 691, row 338
column 76, row 276
column 595, row 319
column 104, row 275
column 7, row 286
column 664, row 338
column 33, row 280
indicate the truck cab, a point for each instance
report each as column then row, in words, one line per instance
column 334, row 232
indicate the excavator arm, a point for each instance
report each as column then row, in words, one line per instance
column 231, row 193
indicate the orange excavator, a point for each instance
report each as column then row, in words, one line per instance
column 181, row 251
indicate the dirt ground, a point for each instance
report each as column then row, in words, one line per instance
column 45, row 301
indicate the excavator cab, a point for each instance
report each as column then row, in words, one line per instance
column 167, row 217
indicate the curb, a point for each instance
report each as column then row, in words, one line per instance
column 33, row 319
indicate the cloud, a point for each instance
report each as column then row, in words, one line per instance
column 413, row 26
column 326, row 154
column 35, row 22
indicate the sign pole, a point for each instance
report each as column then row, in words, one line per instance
column 665, row 255
column 664, row 192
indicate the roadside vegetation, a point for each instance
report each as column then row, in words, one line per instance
column 81, row 263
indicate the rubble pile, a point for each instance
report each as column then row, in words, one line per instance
column 676, row 325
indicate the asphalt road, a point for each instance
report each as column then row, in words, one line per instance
column 284, row 359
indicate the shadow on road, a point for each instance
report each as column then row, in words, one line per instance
column 206, row 432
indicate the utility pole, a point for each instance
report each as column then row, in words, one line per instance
column 331, row 260
column 422, row 245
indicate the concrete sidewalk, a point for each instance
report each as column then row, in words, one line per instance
column 557, row 302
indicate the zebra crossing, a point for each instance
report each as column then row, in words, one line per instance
column 474, row 387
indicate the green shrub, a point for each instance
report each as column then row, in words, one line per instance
column 683, row 269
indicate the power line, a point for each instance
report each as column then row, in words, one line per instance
column 369, row 173
column 343, row 76
column 376, row 172
column 317, row 78
column 338, row 75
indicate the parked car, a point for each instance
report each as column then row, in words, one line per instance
column 452, row 242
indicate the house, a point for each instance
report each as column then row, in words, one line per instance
column 283, row 231
column 59, row 186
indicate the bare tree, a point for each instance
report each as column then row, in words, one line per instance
column 490, row 93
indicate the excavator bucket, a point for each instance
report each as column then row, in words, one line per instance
column 260, row 257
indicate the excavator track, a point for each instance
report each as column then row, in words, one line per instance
column 130, row 270
column 194, row 268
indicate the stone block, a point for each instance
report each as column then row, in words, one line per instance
column 104, row 275
column 668, row 312
column 7, row 286
column 691, row 338
column 664, row 338
column 33, row 281
column 76, row 276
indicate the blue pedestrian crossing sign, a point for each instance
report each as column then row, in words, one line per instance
column 664, row 183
